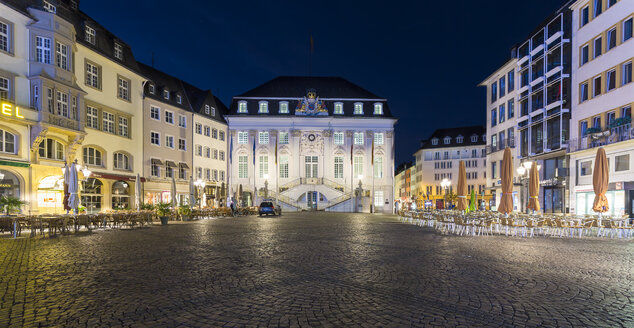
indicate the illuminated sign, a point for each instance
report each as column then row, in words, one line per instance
column 10, row 110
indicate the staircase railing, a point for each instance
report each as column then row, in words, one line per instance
column 338, row 200
column 290, row 185
column 284, row 199
column 335, row 186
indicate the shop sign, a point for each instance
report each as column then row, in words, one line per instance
column 551, row 182
column 11, row 110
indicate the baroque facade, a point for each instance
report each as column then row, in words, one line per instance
column 312, row 143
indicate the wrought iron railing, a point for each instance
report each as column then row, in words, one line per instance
column 508, row 143
column 610, row 136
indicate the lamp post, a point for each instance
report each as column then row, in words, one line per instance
column 199, row 185
column 359, row 192
column 445, row 184
column 524, row 172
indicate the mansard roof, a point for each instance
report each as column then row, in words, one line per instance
column 466, row 132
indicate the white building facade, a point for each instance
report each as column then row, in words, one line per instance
column 315, row 143
column 602, row 98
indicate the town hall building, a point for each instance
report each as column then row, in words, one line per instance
column 320, row 143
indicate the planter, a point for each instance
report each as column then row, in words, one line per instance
column 186, row 217
column 164, row 219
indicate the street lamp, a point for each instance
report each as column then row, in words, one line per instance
column 523, row 171
column 445, row 184
column 199, row 184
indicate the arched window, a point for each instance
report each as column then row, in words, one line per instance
column 51, row 149
column 91, row 195
column 474, row 138
column 263, row 107
column 459, row 139
column 242, row 107
column 447, row 140
column 120, row 195
column 92, row 156
column 9, row 184
column 7, row 142
column 121, row 161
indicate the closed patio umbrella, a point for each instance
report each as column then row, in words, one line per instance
column 73, row 188
column 137, row 192
column 600, row 182
column 462, row 188
column 66, row 194
column 506, row 203
column 192, row 197
column 533, row 189
column 173, row 193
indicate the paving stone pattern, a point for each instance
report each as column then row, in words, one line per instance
column 319, row 269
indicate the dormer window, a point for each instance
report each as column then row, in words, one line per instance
column 283, row 107
column 118, row 51
column 338, row 108
column 73, row 4
column 49, row 7
column 434, row 141
column 263, row 107
column 358, row 108
column 90, row 34
column 179, row 99
column 459, row 139
column 378, row 109
column 242, row 107
column 484, row 137
column 151, row 88
column 474, row 138
column 213, row 111
column 447, row 140
column 207, row 109
column 166, row 94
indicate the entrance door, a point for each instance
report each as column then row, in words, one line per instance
column 312, row 164
column 553, row 200
column 311, row 200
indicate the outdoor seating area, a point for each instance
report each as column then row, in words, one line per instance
column 486, row 223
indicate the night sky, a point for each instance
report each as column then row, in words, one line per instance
column 425, row 57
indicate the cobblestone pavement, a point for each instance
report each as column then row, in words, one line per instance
column 352, row 270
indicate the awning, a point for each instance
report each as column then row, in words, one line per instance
column 156, row 161
column 114, row 176
column 184, row 165
column 170, row 164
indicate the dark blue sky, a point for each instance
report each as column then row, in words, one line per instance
column 425, row 57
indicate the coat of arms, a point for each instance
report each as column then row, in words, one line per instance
column 310, row 105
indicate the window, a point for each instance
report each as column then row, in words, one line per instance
column 622, row 163
column 61, row 55
column 264, row 166
column 207, row 109
column 90, row 34
column 213, row 111
column 199, row 128
column 338, row 167
column 62, row 104
column 611, row 39
column 596, row 122
column 182, row 121
column 166, row 94
column 207, row 131
column 378, row 167
column 49, row 7
column 378, row 198
column 155, row 138
column 584, row 128
column 626, row 73
column 283, row 167
column 155, row 113
column 283, row 137
column 7, row 142
column 155, row 168
column 215, row 154
column 222, row 175
column 214, row 133
column 378, row 109
column 242, row 107
column 447, row 140
column 151, row 88
column 611, row 117
column 583, row 92
column 199, row 150
column 596, row 88
column 107, row 122
column 123, row 127
column 243, row 137
column 208, row 174
column 182, row 171
column 221, row 155
column 92, row 156
column 511, row 80
column 338, row 108
column 4, row 88
column 493, row 170
column 92, row 117
column 179, row 99
column 598, row 43
column 357, row 166
column 434, row 141
column 598, row 7
column 121, row 161
column 243, row 166
column 502, row 83
column 474, row 138
column 169, row 171
column 585, row 168
column 358, row 138
column 494, row 91
column 169, row 117
column 283, row 107
column 610, row 82
column 358, row 108
column 182, row 145
column 124, row 89
column 221, row 135
column 207, row 152
column 502, row 113
column 338, row 136
column 494, row 140
column 263, row 107
column 585, row 15
column 169, row 142
column 118, row 51
column 494, row 117
column 627, row 29
column 511, row 107
column 51, row 149
column 215, row 175
column 379, row 138
column 43, row 50
column 585, row 54
column 92, row 75
column 626, row 111
column 263, row 138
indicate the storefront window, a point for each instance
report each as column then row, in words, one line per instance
column 50, row 194
column 91, row 195
column 616, row 199
column 120, row 195
column 9, row 184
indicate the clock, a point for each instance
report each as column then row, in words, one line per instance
column 311, row 137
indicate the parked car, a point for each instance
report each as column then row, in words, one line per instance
column 267, row 208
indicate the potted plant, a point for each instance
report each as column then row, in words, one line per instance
column 185, row 211
column 163, row 210
column 146, row 207
column 10, row 204
column 81, row 209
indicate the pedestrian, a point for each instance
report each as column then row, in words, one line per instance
column 233, row 209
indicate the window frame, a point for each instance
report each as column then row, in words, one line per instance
column 123, row 88
column 90, row 34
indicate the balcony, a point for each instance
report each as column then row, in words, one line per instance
column 61, row 121
column 602, row 138
column 508, row 143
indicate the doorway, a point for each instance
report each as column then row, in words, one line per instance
column 311, row 200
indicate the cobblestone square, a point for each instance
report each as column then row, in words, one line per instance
column 315, row 269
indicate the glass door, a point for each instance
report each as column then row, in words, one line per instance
column 311, row 200
column 311, row 166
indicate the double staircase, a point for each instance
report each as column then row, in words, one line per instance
column 290, row 192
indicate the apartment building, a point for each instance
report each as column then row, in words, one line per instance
column 602, row 98
column 403, row 186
